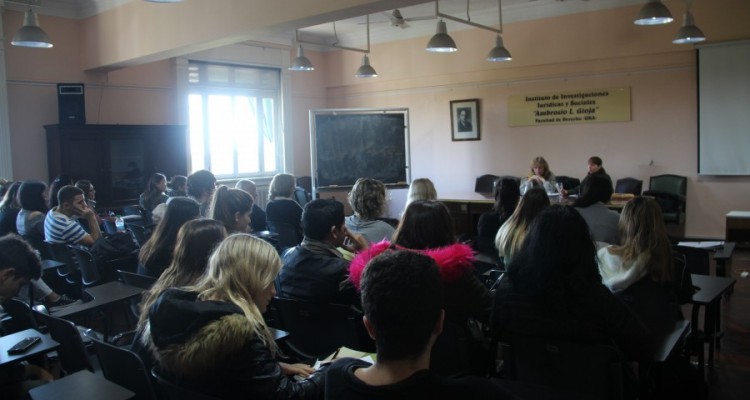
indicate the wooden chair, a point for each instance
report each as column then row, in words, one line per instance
column 126, row 369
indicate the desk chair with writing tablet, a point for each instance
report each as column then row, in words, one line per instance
column 72, row 351
column 126, row 369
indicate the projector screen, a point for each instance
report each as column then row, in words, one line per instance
column 724, row 109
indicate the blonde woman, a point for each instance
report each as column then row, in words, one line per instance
column 511, row 234
column 211, row 337
column 281, row 207
column 421, row 189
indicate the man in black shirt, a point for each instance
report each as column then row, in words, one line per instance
column 402, row 297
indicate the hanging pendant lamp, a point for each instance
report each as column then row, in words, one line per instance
column 366, row 70
column 301, row 63
column 653, row 13
column 688, row 33
column 30, row 34
column 499, row 53
column 441, row 42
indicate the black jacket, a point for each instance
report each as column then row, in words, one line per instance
column 210, row 347
column 315, row 277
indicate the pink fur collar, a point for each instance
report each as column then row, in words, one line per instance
column 453, row 260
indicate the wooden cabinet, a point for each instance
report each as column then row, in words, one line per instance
column 117, row 159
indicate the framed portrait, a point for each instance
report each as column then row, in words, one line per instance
column 465, row 120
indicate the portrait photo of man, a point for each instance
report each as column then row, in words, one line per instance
column 464, row 119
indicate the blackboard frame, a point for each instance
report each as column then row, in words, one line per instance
column 349, row 113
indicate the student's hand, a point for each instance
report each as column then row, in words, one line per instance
column 355, row 242
column 37, row 373
column 564, row 193
column 302, row 370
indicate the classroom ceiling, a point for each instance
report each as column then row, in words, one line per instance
column 419, row 19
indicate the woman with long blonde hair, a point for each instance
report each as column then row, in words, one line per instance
column 420, row 189
column 645, row 249
column 211, row 337
column 511, row 234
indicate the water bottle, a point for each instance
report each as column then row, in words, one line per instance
column 120, row 224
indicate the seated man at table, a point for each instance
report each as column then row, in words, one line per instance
column 402, row 298
column 18, row 265
column 61, row 224
column 315, row 270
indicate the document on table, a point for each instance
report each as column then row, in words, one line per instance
column 345, row 352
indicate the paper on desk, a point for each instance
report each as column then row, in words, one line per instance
column 345, row 352
column 702, row 245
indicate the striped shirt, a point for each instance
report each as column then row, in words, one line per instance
column 59, row 228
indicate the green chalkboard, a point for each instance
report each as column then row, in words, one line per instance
column 350, row 144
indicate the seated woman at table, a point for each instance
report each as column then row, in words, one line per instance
column 195, row 242
column 232, row 207
column 177, row 186
column 512, row 233
column 368, row 200
column 420, row 189
column 427, row 228
column 507, row 195
column 211, row 338
column 592, row 205
column 540, row 175
column 594, row 168
column 154, row 195
column 156, row 254
column 552, row 288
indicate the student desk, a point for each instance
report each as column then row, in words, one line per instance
column 7, row 341
column 710, row 291
column 81, row 385
column 738, row 226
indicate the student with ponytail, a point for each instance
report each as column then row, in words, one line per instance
column 232, row 208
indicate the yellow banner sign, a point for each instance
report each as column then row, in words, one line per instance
column 570, row 107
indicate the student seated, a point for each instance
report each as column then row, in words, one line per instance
column 61, row 224
column 18, row 265
column 402, row 298
column 594, row 168
column 315, row 270
column 153, row 194
column 232, row 207
column 420, row 189
column 257, row 215
column 281, row 207
column 368, row 201
column 511, row 233
column 211, row 337
column 507, row 195
column 592, row 205
column 200, row 187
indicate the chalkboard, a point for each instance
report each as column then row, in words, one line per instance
column 351, row 144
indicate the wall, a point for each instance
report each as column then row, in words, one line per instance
column 583, row 51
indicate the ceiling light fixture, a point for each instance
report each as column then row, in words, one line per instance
column 499, row 52
column 441, row 42
column 653, row 13
column 366, row 70
column 30, row 34
column 688, row 33
column 301, row 63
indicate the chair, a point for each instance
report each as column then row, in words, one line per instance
column 176, row 392
column 670, row 192
column 485, row 184
column 629, row 185
column 22, row 316
column 318, row 329
column 126, row 369
column 90, row 275
column 697, row 261
column 589, row 369
column 287, row 234
column 72, row 351
column 500, row 178
column 139, row 232
column 568, row 182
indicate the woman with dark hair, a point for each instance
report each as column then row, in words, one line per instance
column 512, row 233
column 591, row 204
column 30, row 221
column 427, row 228
column 594, row 168
column 232, row 208
column 195, row 242
column 156, row 253
column 55, row 186
column 89, row 193
column 368, row 200
column 9, row 209
column 552, row 288
column 154, row 195
column 177, row 186
column 507, row 195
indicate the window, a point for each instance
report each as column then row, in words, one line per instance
column 234, row 119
